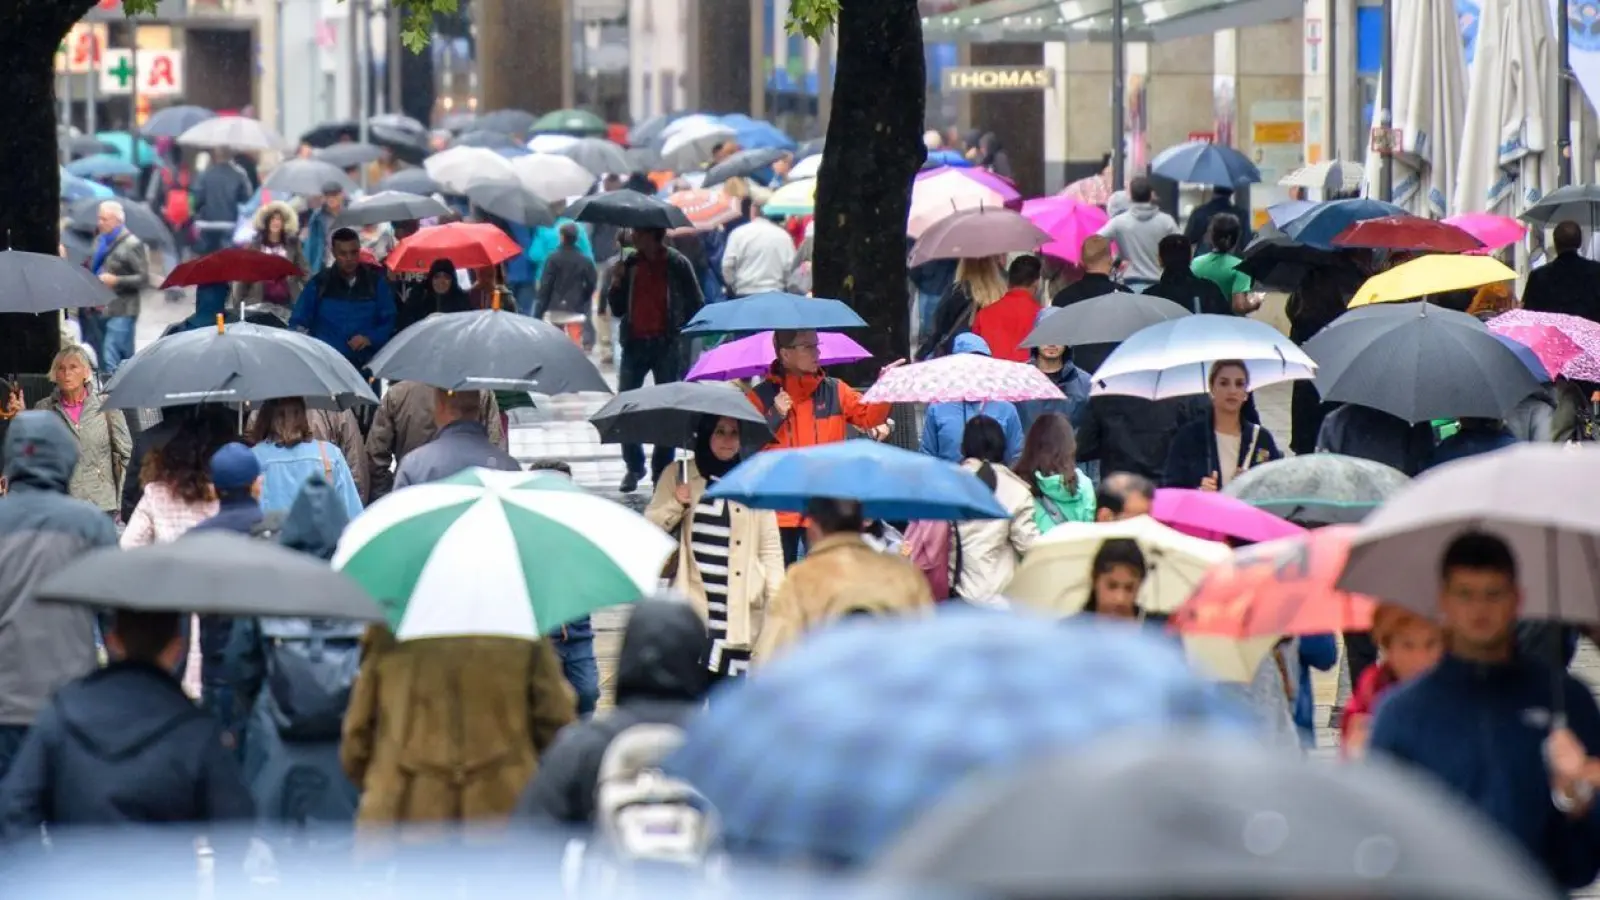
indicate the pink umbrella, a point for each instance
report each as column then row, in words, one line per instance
column 1218, row 517
column 1494, row 231
column 963, row 378
column 1068, row 221
column 1584, row 366
column 753, row 355
column 951, row 191
column 1547, row 342
column 1005, row 187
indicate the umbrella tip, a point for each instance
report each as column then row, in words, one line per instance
column 219, row 323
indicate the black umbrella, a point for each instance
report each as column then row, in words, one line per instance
column 628, row 209
column 349, row 154
column 389, row 206
column 511, row 201
column 598, row 155
column 406, row 146
column 139, row 219
column 667, row 414
column 491, row 140
column 644, row 159
column 489, row 350
column 1418, row 362
column 43, row 282
column 506, row 121
column 211, row 572
column 411, row 181
column 1281, row 263
column 307, row 177
column 85, row 145
column 398, row 122
column 1194, row 817
column 741, row 164
column 1578, row 202
column 1318, row 488
column 1108, row 319
column 174, row 120
column 244, row 363
column 79, row 245
column 329, row 133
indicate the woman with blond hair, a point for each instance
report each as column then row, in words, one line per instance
column 980, row 283
column 104, row 444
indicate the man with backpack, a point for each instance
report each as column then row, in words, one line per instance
column 348, row 306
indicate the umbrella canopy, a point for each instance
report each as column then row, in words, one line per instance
column 1411, row 233
column 628, row 209
column 405, row 146
column 842, row 787
column 644, row 159
column 1193, row 817
column 743, row 164
column 457, row 168
column 1581, row 331
column 239, row 364
column 467, row 245
column 1414, row 362
column 667, row 415
column 888, row 482
column 232, row 132
column 349, row 154
column 511, row 201
column 410, row 181
column 1318, row 488
column 1173, row 358
column 650, row 130
column 121, row 143
column 1430, row 104
column 231, row 264
column 597, row 155
column 1331, row 176
column 489, row 349
column 1281, row 214
column 1067, row 221
column 797, row 198
column 1282, row 263
column 470, row 556
column 751, row 357
column 772, row 311
column 552, row 176
column 1507, row 160
column 940, row 193
column 1579, row 203
column 977, row 233
column 79, row 146
column 210, row 572
column 689, row 144
column 706, row 209
column 809, row 167
column 139, row 219
column 326, row 134
column 1055, row 575
column 44, row 282
column 757, row 133
column 1107, row 319
column 486, row 140
column 1214, row 516
column 75, row 189
column 1542, row 499
column 1493, row 231
column 1544, row 349
column 1280, row 587
column 963, row 377
column 506, row 121
column 307, row 178
column 390, row 206
column 1318, row 227
column 1202, row 162
column 102, row 166
column 398, row 122
column 567, row 121
column 1432, row 275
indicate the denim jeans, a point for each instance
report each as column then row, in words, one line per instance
column 575, row 645
column 118, row 343
column 657, row 357
column 10, row 742
column 926, row 304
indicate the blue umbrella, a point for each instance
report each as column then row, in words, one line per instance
column 754, row 134
column 1282, row 214
column 1202, row 162
column 950, row 158
column 890, row 483
column 772, row 311
column 123, row 141
column 102, row 166
column 175, row 120
column 849, row 738
column 1318, row 227
column 1527, row 356
column 74, row 188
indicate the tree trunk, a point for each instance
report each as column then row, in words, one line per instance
column 864, row 187
column 30, row 183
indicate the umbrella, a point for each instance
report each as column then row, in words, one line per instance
column 307, row 178
column 489, row 350
column 1107, row 319
column 44, row 282
column 932, row 702
column 1415, row 362
column 810, row 167
column 410, row 181
column 121, row 144
column 486, row 140
column 1579, row 203
column 628, row 209
column 1281, row 214
column 667, row 415
column 963, row 377
column 457, row 122
column 506, row 121
column 1542, row 499
column 390, row 206
column 457, row 168
column 326, row 134
column 706, row 209
column 1280, row 587
column 812, row 147
column 1492, row 231
column 757, row 133
column 232, row 132
column 772, row 311
column 209, row 572
column 743, row 164
column 102, row 166
column 74, row 189
column 82, row 145
column 797, row 198
column 752, row 356
column 231, row 264
column 467, row 245
column 552, row 176
column 1584, row 333
column 649, row 131
column 995, row 231
column 1173, row 358
column 1067, row 221
column 1544, row 349
column 405, row 146
column 140, row 219
column 1430, row 104
column 644, row 159
column 551, row 143
column 239, row 364
column 174, row 120
column 1202, row 162
column 689, row 147
column 511, row 201
column 1317, row 488
column 1330, row 176
column 1198, row 816
column 937, row 194
column 471, row 555
column 888, row 482
column 1506, row 163
column 567, row 121
column 349, row 154
column 1432, row 275
column 597, row 155
column 1412, row 233
column 1283, row 263
column 1318, row 226
column 1215, row 516
column 398, row 122
column 689, row 122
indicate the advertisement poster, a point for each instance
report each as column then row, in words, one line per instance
column 1224, row 110
column 1277, row 146
column 1135, row 142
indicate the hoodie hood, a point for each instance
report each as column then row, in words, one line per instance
column 95, row 710
column 1144, row 212
column 663, row 654
column 315, row 520
column 40, row 452
column 967, row 342
column 291, row 220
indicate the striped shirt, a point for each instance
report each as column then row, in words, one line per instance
column 710, row 530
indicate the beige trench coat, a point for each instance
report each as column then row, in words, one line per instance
column 104, row 447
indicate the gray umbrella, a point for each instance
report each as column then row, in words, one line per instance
column 399, row 122
column 599, row 156
column 415, row 180
column 83, row 145
column 511, row 201
column 43, row 282
column 489, row 350
column 741, row 164
column 506, row 121
column 211, row 572
column 1578, row 202
column 349, row 154
column 139, row 219
column 644, row 159
column 244, row 363
column 628, row 209
column 389, row 206
column 1318, row 488
column 1108, row 319
column 174, row 120
column 307, row 177
column 493, row 140
column 667, row 414
column 1209, row 818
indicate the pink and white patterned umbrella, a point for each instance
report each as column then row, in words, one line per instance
column 1520, row 325
column 963, row 377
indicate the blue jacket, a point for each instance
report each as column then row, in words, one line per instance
column 1193, row 452
column 1074, row 384
column 1480, row 730
column 1471, row 442
column 319, row 230
column 333, row 311
column 1320, row 652
column 945, row 423
column 520, row 269
column 285, row 471
column 237, row 513
column 547, row 240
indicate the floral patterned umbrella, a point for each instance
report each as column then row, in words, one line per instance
column 1532, row 329
column 706, row 208
column 963, row 377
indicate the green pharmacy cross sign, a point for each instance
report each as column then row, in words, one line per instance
column 123, row 72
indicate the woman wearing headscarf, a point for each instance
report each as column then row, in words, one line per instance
column 441, row 294
column 730, row 557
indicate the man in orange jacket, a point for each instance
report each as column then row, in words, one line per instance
column 806, row 408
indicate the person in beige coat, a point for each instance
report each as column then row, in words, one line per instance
column 730, row 557
column 403, row 423
column 104, row 444
column 991, row 548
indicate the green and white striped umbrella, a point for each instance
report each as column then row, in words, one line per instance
column 503, row 554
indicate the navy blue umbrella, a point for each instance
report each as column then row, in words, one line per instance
column 1202, row 162
column 1318, row 226
column 102, row 166
column 773, row 311
column 174, row 120
column 1527, row 356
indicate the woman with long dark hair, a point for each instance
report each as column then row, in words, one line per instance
column 1115, row 577
column 1211, row 451
column 1220, row 266
column 177, row 483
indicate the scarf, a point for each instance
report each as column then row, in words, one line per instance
column 102, row 248
column 705, row 462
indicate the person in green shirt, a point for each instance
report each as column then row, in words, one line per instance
column 1220, row 266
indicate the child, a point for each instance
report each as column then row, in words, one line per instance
column 1408, row 645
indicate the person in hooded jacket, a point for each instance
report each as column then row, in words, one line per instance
column 661, row 678
column 945, row 423
column 1138, row 232
column 441, row 294
column 1056, row 362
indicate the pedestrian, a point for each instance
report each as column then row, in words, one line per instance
column 545, row 241
column 290, row 453
column 1004, row 323
column 653, row 295
column 574, row 640
column 1203, row 218
column 101, row 434
column 177, row 485
column 979, row 283
column 992, row 155
column 441, row 293
column 1313, row 306
column 730, row 557
column 1220, row 265
column 321, row 225
column 1138, row 232
column 758, row 256
column 1209, row 453
column 236, row 482
column 277, row 234
column 1372, row 434
column 1061, row 491
column 222, row 189
column 1475, row 436
column 404, row 422
column 566, row 286
column 1181, row 285
column 461, row 442
column 944, row 424
column 349, row 306
column 931, row 280
column 1132, row 434
column 841, row 576
column 123, row 265
column 990, row 549
column 1116, row 575
column 1568, row 283
column 150, row 439
column 1095, row 259
column 1122, row 496
column 42, row 645
column 1055, row 361
column 1408, row 645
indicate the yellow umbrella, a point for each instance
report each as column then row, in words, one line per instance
column 797, row 198
column 1432, row 275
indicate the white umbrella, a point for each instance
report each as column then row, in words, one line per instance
column 233, row 132
column 459, row 168
column 697, row 120
column 1505, row 167
column 552, row 176
column 1174, row 358
column 1430, row 79
column 1329, row 176
column 805, row 168
column 690, row 148
column 551, row 143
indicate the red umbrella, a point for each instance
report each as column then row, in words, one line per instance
column 1412, row 233
column 467, row 245
column 231, row 264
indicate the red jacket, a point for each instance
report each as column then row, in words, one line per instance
column 1364, row 700
column 1004, row 323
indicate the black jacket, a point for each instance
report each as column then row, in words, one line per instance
column 1193, row 452
column 1200, row 223
column 661, row 679
column 1567, row 284
column 220, row 192
column 684, row 297
column 1196, row 294
column 566, row 283
column 1090, row 286
column 1132, row 434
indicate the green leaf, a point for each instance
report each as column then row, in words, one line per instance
column 812, row 18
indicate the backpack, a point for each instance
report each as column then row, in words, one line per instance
column 643, row 814
column 176, row 208
column 929, row 546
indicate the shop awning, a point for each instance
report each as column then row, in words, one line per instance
column 1146, row 21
